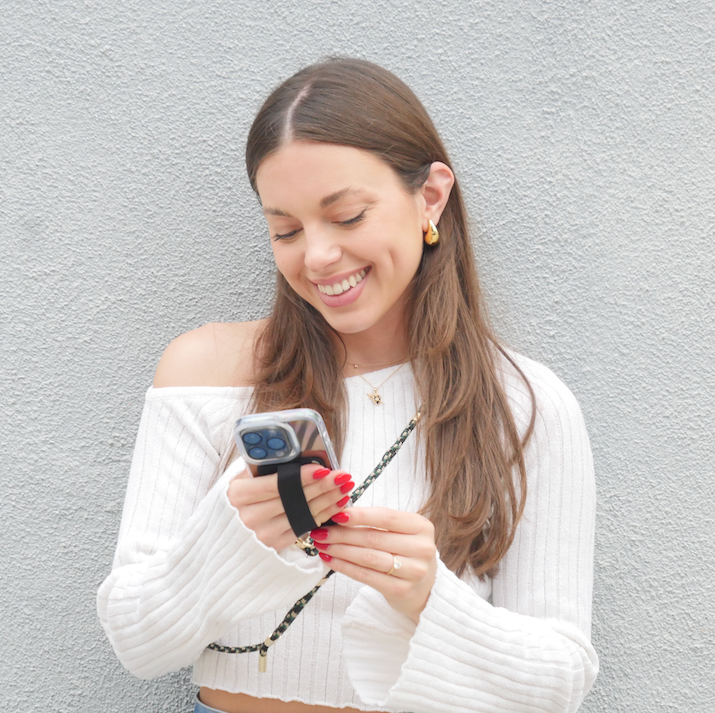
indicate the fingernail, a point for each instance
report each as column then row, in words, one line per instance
column 341, row 517
column 343, row 501
column 340, row 479
column 320, row 534
column 324, row 557
column 321, row 545
column 347, row 487
column 320, row 473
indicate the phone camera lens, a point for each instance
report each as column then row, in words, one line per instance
column 250, row 439
column 257, row 453
column 276, row 443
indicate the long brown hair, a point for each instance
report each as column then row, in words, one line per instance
column 472, row 446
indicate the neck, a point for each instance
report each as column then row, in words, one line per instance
column 374, row 358
column 376, row 348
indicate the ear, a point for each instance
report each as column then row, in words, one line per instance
column 435, row 192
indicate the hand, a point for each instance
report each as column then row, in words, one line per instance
column 366, row 545
column 261, row 509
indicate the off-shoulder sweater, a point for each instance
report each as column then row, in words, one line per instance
column 187, row 572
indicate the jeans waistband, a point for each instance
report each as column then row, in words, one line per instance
column 203, row 708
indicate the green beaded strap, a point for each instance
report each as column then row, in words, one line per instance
column 307, row 545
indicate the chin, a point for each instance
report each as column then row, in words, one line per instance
column 348, row 324
column 351, row 319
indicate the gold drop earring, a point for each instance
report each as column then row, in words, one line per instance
column 432, row 234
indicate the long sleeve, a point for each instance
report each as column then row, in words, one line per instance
column 527, row 650
column 186, row 569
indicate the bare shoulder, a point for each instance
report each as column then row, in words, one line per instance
column 217, row 354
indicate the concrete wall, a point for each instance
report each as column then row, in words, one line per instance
column 583, row 136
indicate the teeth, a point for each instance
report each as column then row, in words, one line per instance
column 339, row 287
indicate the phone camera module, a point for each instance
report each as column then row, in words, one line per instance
column 267, row 443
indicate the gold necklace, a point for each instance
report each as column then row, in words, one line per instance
column 374, row 396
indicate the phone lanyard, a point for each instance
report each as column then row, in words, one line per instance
column 307, row 546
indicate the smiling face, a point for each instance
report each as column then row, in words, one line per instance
column 346, row 234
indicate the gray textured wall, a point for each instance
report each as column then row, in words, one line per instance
column 583, row 135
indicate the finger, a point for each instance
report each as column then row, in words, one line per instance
column 264, row 488
column 328, row 496
column 382, row 562
column 334, row 501
column 262, row 512
column 389, row 585
column 275, row 532
column 365, row 538
column 387, row 519
column 312, row 472
column 254, row 490
column 322, row 508
column 319, row 482
column 327, row 513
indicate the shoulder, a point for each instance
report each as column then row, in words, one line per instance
column 217, row 354
column 558, row 454
column 554, row 401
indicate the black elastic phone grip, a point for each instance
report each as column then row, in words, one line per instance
column 290, row 488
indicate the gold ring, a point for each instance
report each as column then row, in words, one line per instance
column 396, row 564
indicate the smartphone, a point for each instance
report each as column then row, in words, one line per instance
column 267, row 439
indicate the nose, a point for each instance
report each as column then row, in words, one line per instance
column 321, row 250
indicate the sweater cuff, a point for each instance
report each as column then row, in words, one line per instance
column 376, row 643
column 390, row 658
column 463, row 655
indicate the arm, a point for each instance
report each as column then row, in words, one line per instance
column 187, row 568
column 530, row 649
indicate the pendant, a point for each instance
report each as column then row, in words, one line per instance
column 375, row 397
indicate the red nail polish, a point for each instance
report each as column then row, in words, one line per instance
column 341, row 517
column 324, row 557
column 320, row 534
column 320, row 473
column 347, row 487
column 340, row 479
column 321, row 545
column 343, row 501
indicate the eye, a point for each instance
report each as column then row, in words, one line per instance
column 356, row 219
column 285, row 236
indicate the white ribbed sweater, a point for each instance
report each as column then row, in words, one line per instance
column 188, row 572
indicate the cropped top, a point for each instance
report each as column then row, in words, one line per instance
column 187, row 572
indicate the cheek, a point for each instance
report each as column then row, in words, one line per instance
column 289, row 262
column 406, row 254
column 285, row 260
column 283, row 263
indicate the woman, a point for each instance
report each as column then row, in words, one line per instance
column 463, row 576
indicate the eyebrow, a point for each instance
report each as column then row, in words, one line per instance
column 324, row 202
